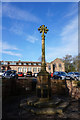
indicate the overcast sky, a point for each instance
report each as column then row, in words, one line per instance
column 21, row 38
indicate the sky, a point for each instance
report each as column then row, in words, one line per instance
column 21, row 39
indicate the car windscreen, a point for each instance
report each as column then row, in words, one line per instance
column 77, row 73
column 63, row 73
column 8, row 72
column 19, row 73
column 29, row 73
column 55, row 73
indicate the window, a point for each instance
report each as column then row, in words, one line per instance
column 13, row 63
column 5, row 63
column 0, row 69
column 39, row 69
column 19, row 69
column 39, row 63
column 49, row 67
column 29, row 69
column 60, row 65
column 29, row 63
column 34, row 69
column 34, row 64
column 19, row 63
column 24, row 69
column 24, row 63
column 1, row 63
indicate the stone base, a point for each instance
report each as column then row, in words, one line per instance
column 59, row 87
column 54, row 106
column 43, row 87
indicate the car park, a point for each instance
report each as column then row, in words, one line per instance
column 20, row 74
column 10, row 74
column 59, row 75
column 75, row 75
column 29, row 74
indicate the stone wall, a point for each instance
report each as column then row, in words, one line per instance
column 59, row 87
column 62, row 87
column 15, row 87
column 74, row 90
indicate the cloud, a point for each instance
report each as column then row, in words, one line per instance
column 31, row 38
column 18, row 14
column 73, row 10
column 17, row 29
column 69, row 40
column 11, row 53
column 6, row 48
column 70, row 31
column 49, row 13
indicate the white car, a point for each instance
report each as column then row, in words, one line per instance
column 1, row 73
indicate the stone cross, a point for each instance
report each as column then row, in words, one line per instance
column 43, row 30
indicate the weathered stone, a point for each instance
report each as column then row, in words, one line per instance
column 59, row 87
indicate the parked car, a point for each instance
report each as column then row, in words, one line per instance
column 20, row 74
column 1, row 72
column 51, row 74
column 35, row 74
column 59, row 75
column 75, row 75
column 68, row 77
column 29, row 74
column 10, row 74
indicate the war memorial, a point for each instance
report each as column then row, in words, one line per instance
column 44, row 102
column 52, row 99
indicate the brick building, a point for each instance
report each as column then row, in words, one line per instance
column 35, row 67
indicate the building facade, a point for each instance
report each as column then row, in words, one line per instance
column 34, row 67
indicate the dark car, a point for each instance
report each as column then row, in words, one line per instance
column 29, row 74
column 10, row 74
column 59, row 75
column 75, row 75
column 20, row 74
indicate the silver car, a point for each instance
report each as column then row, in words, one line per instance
column 75, row 75
column 10, row 74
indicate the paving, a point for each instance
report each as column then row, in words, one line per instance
column 13, row 111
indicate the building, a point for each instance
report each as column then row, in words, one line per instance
column 35, row 67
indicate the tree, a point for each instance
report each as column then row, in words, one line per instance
column 71, row 63
column 68, row 62
column 75, row 63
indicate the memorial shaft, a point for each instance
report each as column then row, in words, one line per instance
column 43, row 66
column 43, row 87
column 43, row 30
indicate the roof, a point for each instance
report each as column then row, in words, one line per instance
column 57, row 59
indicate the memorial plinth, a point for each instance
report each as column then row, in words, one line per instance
column 43, row 87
